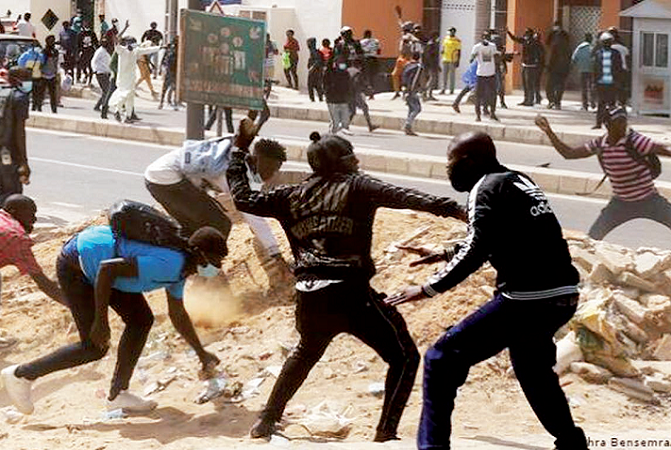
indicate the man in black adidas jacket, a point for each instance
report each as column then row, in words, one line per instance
column 328, row 220
column 511, row 225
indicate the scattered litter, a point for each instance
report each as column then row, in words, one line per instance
column 325, row 421
column 215, row 388
column 376, row 389
column 114, row 414
column 12, row 415
column 159, row 385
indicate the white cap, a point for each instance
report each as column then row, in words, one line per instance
column 606, row 37
column 345, row 29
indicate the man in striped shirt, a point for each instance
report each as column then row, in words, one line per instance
column 631, row 178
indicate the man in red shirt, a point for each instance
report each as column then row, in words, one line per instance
column 16, row 222
column 622, row 154
column 292, row 47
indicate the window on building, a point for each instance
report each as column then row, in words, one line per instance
column 654, row 49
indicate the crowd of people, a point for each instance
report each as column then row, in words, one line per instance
column 78, row 54
column 328, row 221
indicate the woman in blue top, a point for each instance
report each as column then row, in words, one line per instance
column 97, row 272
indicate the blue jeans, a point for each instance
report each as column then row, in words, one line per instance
column 414, row 108
column 526, row 328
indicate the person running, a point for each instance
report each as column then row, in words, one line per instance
column 328, row 220
column 14, row 169
column 485, row 53
column 97, row 271
column 17, row 218
column 623, row 154
column 100, row 65
column 582, row 60
column 412, row 75
column 176, row 180
column 470, row 80
column 451, row 54
column 358, row 84
column 511, row 225
column 338, row 93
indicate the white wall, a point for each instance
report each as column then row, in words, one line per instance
column 37, row 9
column 15, row 6
column 139, row 13
column 308, row 18
column 460, row 14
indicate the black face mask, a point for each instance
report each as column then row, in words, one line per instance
column 463, row 175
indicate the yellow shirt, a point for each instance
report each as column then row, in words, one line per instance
column 451, row 47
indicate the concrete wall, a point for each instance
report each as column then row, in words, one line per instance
column 518, row 20
column 308, row 18
column 38, row 8
column 139, row 13
column 379, row 17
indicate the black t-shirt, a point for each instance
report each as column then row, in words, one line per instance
column 154, row 36
column 13, row 111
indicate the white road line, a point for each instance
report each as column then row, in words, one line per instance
column 101, row 138
column 84, row 166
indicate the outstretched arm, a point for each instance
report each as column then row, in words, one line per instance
column 48, row 286
column 661, row 150
column 564, row 149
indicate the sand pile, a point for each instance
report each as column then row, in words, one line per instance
column 250, row 326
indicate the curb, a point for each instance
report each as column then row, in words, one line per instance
column 524, row 135
column 420, row 166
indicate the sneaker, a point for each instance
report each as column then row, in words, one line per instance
column 478, row 119
column 396, row 95
column 262, row 429
column 131, row 403
column 456, row 109
column 18, row 390
column 494, row 117
column 347, row 132
column 384, row 436
column 503, row 105
column 408, row 131
column 373, row 128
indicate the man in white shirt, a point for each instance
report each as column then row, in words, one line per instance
column 485, row 53
column 180, row 181
column 24, row 27
column 100, row 65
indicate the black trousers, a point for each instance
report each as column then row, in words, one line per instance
column 40, row 89
column 371, row 67
column 587, row 89
column 106, row 97
column 104, row 83
column 79, row 294
column 526, row 328
column 555, row 85
column 193, row 208
column 228, row 118
column 618, row 211
column 10, row 181
column 349, row 307
column 607, row 94
column 316, row 83
column 529, row 81
column 292, row 72
column 485, row 94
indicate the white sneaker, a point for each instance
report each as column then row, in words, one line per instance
column 347, row 132
column 18, row 390
column 131, row 403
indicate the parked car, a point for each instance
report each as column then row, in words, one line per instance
column 12, row 46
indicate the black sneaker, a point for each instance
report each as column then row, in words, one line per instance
column 455, row 107
column 384, row 436
column 577, row 441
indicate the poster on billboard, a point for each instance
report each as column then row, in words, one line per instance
column 221, row 60
column 655, row 95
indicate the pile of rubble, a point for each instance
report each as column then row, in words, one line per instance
column 624, row 316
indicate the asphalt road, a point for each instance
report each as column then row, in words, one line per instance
column 75, row 176
column 381, row 139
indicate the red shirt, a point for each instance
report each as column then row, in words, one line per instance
column 15, row 246
column 631, row 180
column 292, row 46
column 326, row 53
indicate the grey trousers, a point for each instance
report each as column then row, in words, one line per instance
column 340, row 114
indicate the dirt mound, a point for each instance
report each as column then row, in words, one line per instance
column 250, row 326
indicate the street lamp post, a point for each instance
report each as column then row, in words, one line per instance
column 195, row 120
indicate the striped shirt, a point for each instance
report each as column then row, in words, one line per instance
column 607, row 64
column 630, row 179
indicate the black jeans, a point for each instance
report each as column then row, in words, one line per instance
column 292, row 71
column 607, row 97
column 485, row 94
column 39, row 91
column 193, row 208
column 526, row 328
column 618, row 211
column 529, row 76
column 316, row 83
column 349, row 307
column 104, row 83
column 587, row 89
column 554, row 88
column 79, row 294
column 10, row 181
column 106, row 97
column 359, row 101
column 228, row 118
column 462, row 94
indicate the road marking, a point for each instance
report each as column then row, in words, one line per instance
column 67, row 205
column 84, row 166
column 102, row 138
